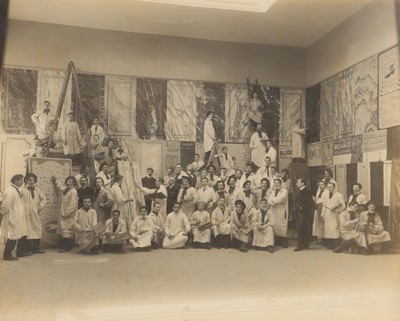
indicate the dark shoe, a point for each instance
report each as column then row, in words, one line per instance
column 243, row 248
column 270, row 249
column 285, row 242
column 63, row 250
column 10, row 258
column 363, row 251
column 38, row 252
column 24, row 254
column 336, row 250
column 208, row 246
column 297, row 249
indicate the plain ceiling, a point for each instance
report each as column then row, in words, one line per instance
column 297, row 23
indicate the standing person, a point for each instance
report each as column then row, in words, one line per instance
column 120, row 153
column 98, row 153
column 149, row 182
column 172, row 194
column 257, row 146
column 69, row 207
column 71, row 137
column 35, row 151
column 159, row 195
column 233, row 192
column 357, row 197
column 255, row 110
column 263, row 232
column 206, row 195
column 320, row 197
column 177, row 227
column 97, row 129
column 221, row 227
column 247, row 195
column 304, row 209
column 371, row 224
column 263, row 192
column 278, row 200
column 85, row 221
column 227, row 161
column 209, row 136
column 158, row 232
column 192, row 176
column 328, row 177
column 264, row 171
column 270, row 151
column 113, row 238
column 142, row 230
column 186, row 198
column 102, row 201
column 104, row 175
column 43, row 121
column 197, row 163
column 85, row 191
column 221, row 192
column 212, row 178
column 34, row 201
column 14, row 222
column 110, row 156
column 201, row 223
column 241, row 226
column 120, row 200
column 298, row 142
column 332, row 207
column 84, row 172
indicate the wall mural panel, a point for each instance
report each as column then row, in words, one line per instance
column 389, row 89
column 327, row 109
column 121, row 105
column 292, row 101
column 364, row 85
column 181, row 110
column 236, row 113
column 313, row 101
column 151, row 108
column 210, row 96
column 19, row 97
column 343, row 102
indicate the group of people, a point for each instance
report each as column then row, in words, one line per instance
column 246, row 210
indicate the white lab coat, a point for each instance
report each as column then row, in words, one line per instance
column 263, row 232
column 32, row 207
column 257, row 146
column 348, row 229
column 188, row 201
column 142, row 229
column 111, row 237
column 71, row 135
column 220, row 220
column 69, row 207
column 163, row 201
column 298, row 144
column 14, row 223
column 330, row 211
column 200, row 218
column 279, row 209
column 120, row 203
column 318, row 223
column 209, row 135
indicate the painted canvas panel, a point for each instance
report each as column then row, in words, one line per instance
column 343, row 102
column 364, row 86
column 210, row 97
column 291, row 100
column 151, row 108
column 314, row 154
column 180, row 123
column 394, row 210
column 270, row 98
column 389, row 88
column 327, row 109
column 121, row 105
column 236, row 113
column 356, row 149
column 150, row 154
column 326, row 151
column 19, row 98
column 342, row 180
column 313, row 101
column 91, row 88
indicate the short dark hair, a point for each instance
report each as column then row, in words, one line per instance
column 303, row 180
column 16, row 177
column 71, row 178
column 142, row 207
column 29, row 175
column 209, row 113
column 149, row 169
column 358, row 184
column 102, row 165
column 116, row 211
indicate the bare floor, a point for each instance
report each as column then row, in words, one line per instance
column 198, row 284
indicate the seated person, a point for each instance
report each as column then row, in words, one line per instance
column 177, row 227
column 142, row 230
column 263, row 233
column 371, row 224
column 85, row 221
column 241, row 225
column 200, row 222
column 350, row 237
column 158, row 222
column 187, row 198
column 206, row 194
column 115, row 233
column 221, row 228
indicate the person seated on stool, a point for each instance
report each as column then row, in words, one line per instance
column 201, row 224
column 241, row 226
column 263, row 233
column 371, row 224
column 177, row 227
column 113, row 238
column 142, row 230
column 221, row 228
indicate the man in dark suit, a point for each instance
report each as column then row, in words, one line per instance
column 173, row 191
column 304, row 210
column 85, row 191
column 192, row 176
column 149, row 182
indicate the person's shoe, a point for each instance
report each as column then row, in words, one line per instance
column 297, row 249
column 285, row 243
column 24, row 254
column 208, row 246
column 270, row 249
column 363, row 251
column 40, row 251
column 218, row 245
column 10, row 258
column 63, row 250
column 336, row 250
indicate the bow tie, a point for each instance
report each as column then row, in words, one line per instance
column 32, row 189
column 46, row 111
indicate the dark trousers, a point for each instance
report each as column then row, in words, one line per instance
column 112, row 247
column 10, row 246
column 346, row 245
column 33, row 245
column 66, row 243
column 304, row 228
